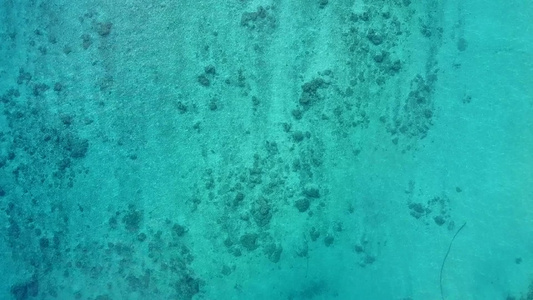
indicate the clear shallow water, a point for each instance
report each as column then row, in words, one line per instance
column 266, row 150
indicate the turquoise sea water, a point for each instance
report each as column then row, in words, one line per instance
column 250, row 149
